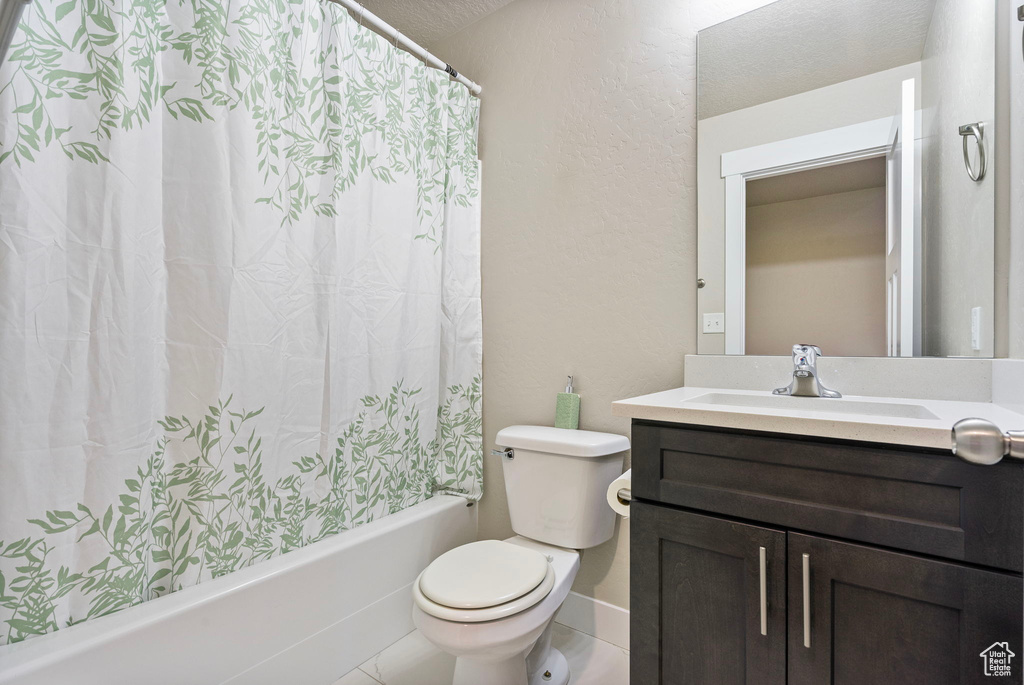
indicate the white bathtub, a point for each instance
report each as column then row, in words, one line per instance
column 306, row 617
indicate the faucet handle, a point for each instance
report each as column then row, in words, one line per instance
column 800, row 347
column 806, row 354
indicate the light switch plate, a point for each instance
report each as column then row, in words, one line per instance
column 714, row 323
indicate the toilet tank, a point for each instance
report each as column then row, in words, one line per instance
column 556, row 480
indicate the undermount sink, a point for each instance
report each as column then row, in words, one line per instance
column 816, row 404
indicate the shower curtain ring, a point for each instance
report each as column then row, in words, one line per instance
column 397, row 34
column 362, row 9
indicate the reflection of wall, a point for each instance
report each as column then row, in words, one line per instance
column 863, row 99
column 816, row 273
column 958, row 87
column 1011, row 30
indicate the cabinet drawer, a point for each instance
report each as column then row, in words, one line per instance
column 916, row 500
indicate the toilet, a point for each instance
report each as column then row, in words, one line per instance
column 492, row 603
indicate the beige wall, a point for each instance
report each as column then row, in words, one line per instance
column 958, row 215
column 850, row 102
column 816, row 272
column 587, row 136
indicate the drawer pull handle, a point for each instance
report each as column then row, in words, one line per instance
column 764, row 590
column 807, row 600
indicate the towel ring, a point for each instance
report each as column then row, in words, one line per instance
column 977, row 131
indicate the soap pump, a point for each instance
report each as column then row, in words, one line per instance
column 567, row 408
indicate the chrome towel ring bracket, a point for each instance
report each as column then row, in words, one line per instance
column 977, row 131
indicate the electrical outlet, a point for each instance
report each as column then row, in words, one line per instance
column 714, row 323
column 976, row 329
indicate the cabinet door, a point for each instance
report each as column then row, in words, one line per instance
column 865, row 616
column 703, row 611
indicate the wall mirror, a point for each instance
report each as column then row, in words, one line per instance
column 846, row 179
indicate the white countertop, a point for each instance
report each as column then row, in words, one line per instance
column 813, row 416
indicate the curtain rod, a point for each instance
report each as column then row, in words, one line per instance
column 10, row 14
column 367, row 17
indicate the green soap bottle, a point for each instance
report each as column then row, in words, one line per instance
column 567, row 408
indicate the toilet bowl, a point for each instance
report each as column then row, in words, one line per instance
column 492, row 603
column 508, row 643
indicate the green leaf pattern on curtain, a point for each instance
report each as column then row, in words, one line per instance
column 216, row 513
column 312, row 124
column 330, row 104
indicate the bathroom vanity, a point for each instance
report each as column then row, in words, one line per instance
column 845, row 196
column 794, row 557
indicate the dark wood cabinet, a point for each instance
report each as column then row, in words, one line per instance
column 924, row 501
column 878, row 617
column 712, row 612
column 910, row 561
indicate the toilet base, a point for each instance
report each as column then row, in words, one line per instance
column 506, row 672
column 554, row 670
column 542, row 665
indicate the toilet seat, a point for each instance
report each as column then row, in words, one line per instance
column 483, row 574
column 505, row 610
column 483, row 581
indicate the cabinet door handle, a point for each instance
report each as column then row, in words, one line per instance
column 807, row 601
column 764, row 590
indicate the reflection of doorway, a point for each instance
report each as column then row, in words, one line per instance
column 872, row 139
column 815, row 254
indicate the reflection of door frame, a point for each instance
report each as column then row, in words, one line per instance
column 813, row 151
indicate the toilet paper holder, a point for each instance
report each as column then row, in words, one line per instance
column 620, row 494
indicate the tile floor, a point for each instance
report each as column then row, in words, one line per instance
column 414, row 661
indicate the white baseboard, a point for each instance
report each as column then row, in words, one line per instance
column 592, row 616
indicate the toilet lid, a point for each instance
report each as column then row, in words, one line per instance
column 483, row 574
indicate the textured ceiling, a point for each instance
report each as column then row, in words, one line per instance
column 426, row 21
column 792, row 46
column 840, row 178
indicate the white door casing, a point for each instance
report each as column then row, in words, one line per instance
column 903, row 231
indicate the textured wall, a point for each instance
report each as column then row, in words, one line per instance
column 958, row 216
column 816, row 271
column 587, row 137
column 429, row 20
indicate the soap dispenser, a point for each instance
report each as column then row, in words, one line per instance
column 567, row 408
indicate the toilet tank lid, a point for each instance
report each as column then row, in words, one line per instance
column 565, row 441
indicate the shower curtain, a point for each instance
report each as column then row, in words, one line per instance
column 239, row 294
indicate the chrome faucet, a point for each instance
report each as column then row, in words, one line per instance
column 806, row 382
